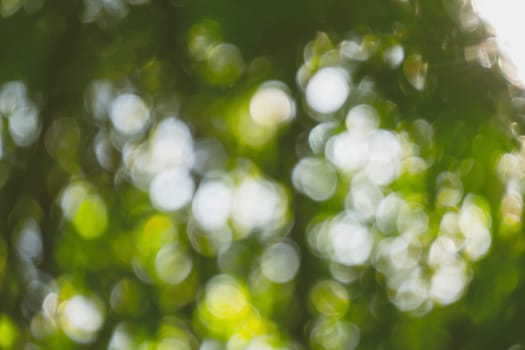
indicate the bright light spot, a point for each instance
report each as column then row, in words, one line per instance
column 384, row 157
column 50, row 305
column 363, row 119
column 171, row 145
column 417, row 165
column 472, row 218
column 448, row 283
column 328, row 89
column 510, row 167
column 320, row 134
column 24, row 126
column 474, row 223
column 172, row 264
column 449, row 224
column 72, row 197
column 120, row 339
column 412, row 293
column 225, row 298
column 478, row 244
column 404, row 252
column 12, row 97
column 387, row 212
column 315, row 177
column 271, row 105
column 393, row 56
column 29, row 243
column 379, row 152
column 355, row 50
column 81, row 317
column 258, row 204
column 443, row 251
column 129, row 114
column 139, row 161
column 171, row 189
column 212, row 204
column 413, row 218
column 348, row 151
column 351, row 243
column 104, row 151
column 280, row 262
column 364, row 197
column 505, row 19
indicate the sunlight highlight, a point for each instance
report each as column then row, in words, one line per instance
column 129, row 114
column 505, row 20
column 80, row 318
column 271, row 104
column 328, row 90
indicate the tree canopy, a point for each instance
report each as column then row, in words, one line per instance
column 299, row 174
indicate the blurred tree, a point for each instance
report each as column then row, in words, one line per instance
column 273, row 175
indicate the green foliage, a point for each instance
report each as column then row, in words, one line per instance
column 268, row 175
